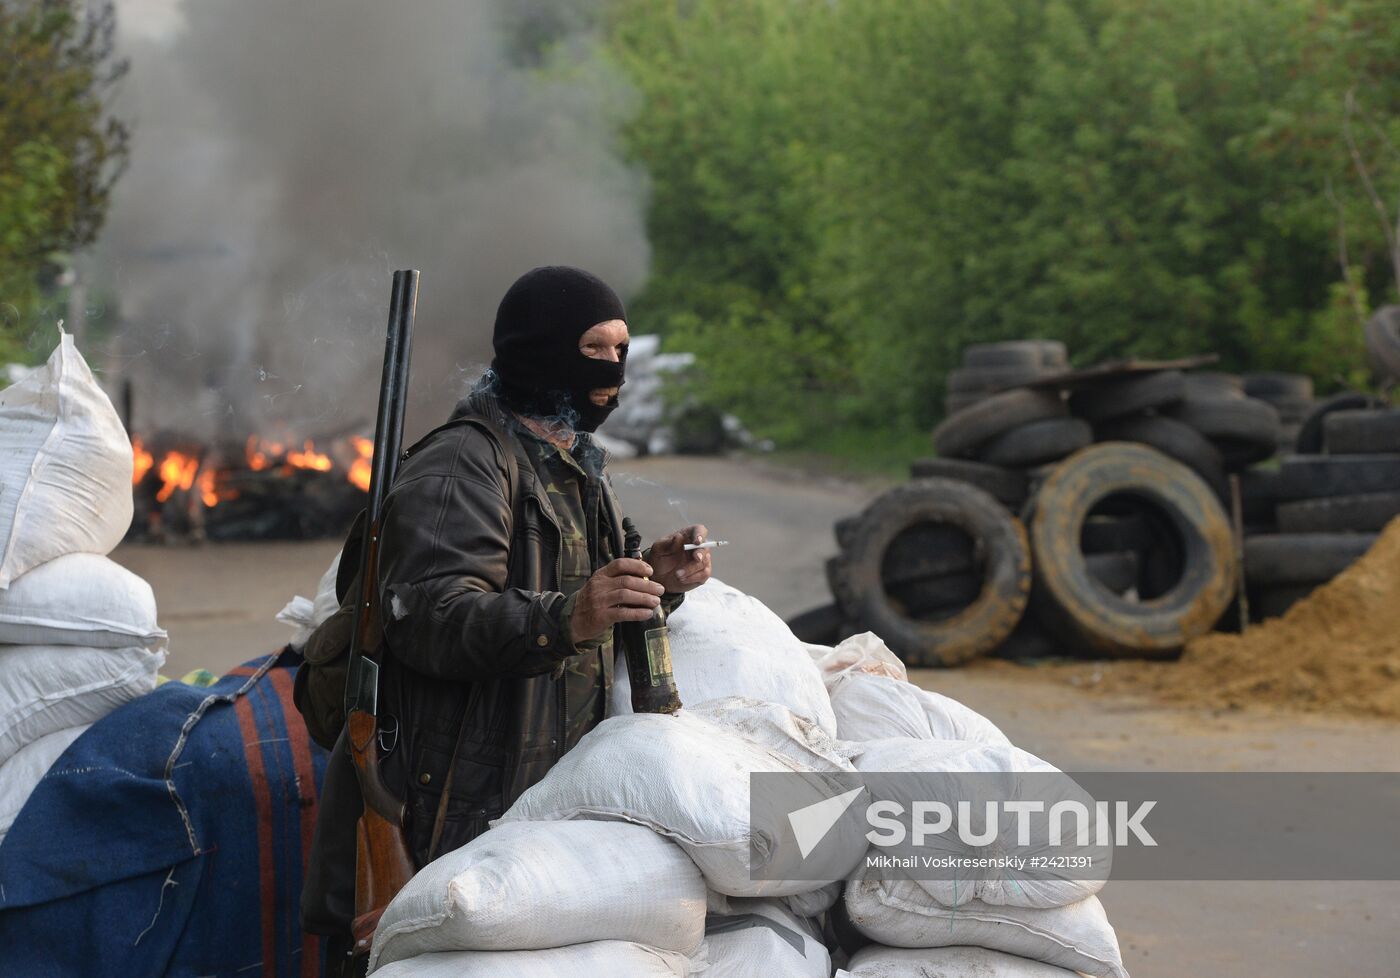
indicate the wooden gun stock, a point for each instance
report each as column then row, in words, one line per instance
column 382, row 861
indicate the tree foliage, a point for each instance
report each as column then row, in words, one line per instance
column 844, row 194
column 60, row 149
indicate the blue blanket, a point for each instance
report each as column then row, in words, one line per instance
column 170, row 839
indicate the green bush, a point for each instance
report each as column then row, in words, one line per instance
column 845, row 194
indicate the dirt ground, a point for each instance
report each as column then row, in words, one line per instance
column 218, row 603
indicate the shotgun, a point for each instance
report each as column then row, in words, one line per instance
column 382, row 861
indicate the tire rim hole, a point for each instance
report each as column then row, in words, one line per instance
column 932, row 571
column 1146, row 529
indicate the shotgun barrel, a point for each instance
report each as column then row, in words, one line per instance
column 382, row 860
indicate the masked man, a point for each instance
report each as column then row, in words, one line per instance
column 501, row 578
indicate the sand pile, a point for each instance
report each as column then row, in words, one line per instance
column 1338, row 650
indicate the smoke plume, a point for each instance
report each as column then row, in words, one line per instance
column 288, row 156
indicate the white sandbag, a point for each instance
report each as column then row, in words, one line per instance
column 900, row 914
column 870, row 706
column 47, row 688
column 530, row 885
column 79, row 599
column 875, row 961
column 726, row 643
column 600, row 958
column 763, row 937
column 306, row 614
column 814, row 903
column 865, row 652
column 687, row 777
column 993, row 771
column 778, row 729
column 65, row 466
column 20, row 775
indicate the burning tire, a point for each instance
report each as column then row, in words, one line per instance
column 1038, row 442
column 1128, row 396
column 1008, row 485
column 866, row 579
column 1195, row 574
column 962, row 434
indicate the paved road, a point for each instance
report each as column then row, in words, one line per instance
column 219, row 601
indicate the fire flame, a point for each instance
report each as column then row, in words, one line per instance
column 211, row 492
column 262, row 454
column 360, row 468
column 142, row 461
column 177, row 471
column 309, row 458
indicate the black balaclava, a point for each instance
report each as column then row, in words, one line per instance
column 542, row 373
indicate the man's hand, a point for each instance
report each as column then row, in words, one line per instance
column 618, row 591
column 679, row 569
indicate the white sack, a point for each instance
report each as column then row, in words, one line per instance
column 763, row 937
column 688, row 778
column 870, row 706
column 875, row 961
column 530, row 885
column 79, row 599
column 899, row 913
column 993, row 768
column 604, row 959
column 20, row 775
column 65, row 466
column 778, row 729
column 865, row 652
column 47, row 688
column 726, row 643
column 306, row 615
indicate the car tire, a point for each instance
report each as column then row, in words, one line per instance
column 818, row 626
column 1301, row 558
column 1367, row 513
column 1309, row 441
column 1000, row 543
column 1078, row 604
column 1038, row 443
column 1362, row 432
column 1325, row 476
column 1038, row 354
column 1274, row 387
column 1008, row 485
column 1128, row 396
column 962, row 434
column 1245, row 430
column 1174, row 439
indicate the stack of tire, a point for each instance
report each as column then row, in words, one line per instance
column 988, row 368
column 1328, row 506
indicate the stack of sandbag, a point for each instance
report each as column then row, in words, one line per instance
column 632, row 856
column 1010, row 927
column 78, row 633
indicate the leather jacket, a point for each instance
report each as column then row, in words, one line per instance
column 476, row 641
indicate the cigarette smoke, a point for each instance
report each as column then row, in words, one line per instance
column 286, row 157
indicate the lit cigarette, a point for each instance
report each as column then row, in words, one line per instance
column 706, row 545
